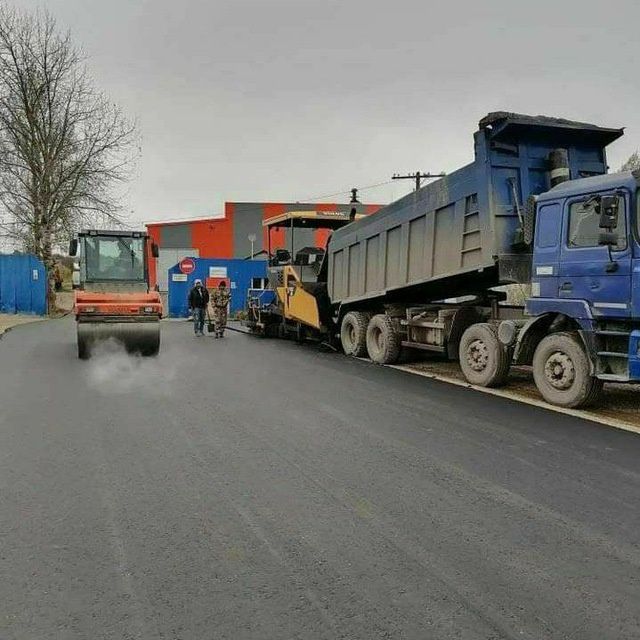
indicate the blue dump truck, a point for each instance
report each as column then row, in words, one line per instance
column 431, row 271
column 535, row 208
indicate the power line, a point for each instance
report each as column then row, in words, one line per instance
column 346, row 192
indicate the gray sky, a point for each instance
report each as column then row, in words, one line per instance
column 281, row 100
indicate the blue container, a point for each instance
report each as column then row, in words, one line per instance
column 239, row 275
column 23, row 285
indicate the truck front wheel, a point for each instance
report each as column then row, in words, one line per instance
column 562, row 373
column 383, row 340
column 353, row 333
column 484, row 360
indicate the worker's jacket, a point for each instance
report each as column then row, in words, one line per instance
column 220, row 298
column 198, row 298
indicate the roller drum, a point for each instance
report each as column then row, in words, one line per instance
column 136, row 337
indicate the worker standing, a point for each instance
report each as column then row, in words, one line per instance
column 220, row 302
column 198, row 302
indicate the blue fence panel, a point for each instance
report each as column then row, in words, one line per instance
column 239, row 276
column 23, row 285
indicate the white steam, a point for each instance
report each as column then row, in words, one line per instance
column 114, row 371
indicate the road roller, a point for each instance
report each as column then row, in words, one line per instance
column 113, row 300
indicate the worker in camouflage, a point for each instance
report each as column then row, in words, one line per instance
column 220, row 302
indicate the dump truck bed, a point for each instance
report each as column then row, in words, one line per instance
column 456, row 235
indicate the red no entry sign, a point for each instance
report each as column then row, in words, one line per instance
column 187, row 265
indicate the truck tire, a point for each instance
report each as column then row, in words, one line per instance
column 484, row 360
column 353, row 333
column 561, row 371
column 383, row 340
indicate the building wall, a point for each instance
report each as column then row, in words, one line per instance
column 228, row 237
column 249, row 216
column 205, row 238
column 239, row 276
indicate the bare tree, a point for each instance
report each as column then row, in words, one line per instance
column 632, row 163
column 64, row 147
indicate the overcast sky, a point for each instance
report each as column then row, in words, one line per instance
column 282, row 100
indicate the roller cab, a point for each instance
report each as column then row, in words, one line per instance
column 113, row 301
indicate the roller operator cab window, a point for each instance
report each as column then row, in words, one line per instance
column 114, row 258
column 584, row 226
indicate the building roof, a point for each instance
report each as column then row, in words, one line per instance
column 212, row 218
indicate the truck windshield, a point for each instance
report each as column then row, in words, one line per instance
column 114, row 258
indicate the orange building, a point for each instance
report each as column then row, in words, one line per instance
column 230, row 236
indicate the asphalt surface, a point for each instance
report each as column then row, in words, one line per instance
column 246, row 488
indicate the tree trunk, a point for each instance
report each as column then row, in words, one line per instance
column 47, row 259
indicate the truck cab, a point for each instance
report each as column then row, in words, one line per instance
column 586, row 266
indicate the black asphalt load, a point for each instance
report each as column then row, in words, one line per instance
column 253, row 489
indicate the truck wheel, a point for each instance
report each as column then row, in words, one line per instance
column 483, row 359
column 383, row 340
column 562, row 373
column 353, row 333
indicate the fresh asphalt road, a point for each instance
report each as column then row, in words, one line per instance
column 247, row 488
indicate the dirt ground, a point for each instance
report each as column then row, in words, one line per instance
column 618, row 401
column 64, row 303
column 64, row 300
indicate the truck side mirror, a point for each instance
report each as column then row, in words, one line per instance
column 607, row 239
column 155, row 251
column 609, row 210
column 73, row 247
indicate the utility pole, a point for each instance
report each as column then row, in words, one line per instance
column 418, row 176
